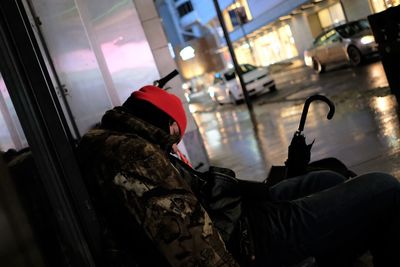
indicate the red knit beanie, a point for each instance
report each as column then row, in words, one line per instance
column 166, row 102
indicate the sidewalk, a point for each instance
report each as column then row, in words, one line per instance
column 286, row 65
column 364, row 133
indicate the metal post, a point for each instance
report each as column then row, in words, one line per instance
column 243, row 85
column 238, row 70
column 246, row 39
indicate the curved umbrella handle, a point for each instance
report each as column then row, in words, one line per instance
column 161, row 82
column 307, row 105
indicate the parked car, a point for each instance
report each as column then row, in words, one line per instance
column 226, row 88
column 350, row 42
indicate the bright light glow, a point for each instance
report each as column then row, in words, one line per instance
column 308, row 60
column 382, row 104
column 187, row 53
column 185, row 86
column 193, row 108
column 367, row 39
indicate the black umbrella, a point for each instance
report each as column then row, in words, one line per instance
column 163, row 81
column 299, row 152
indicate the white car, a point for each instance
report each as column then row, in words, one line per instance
column 226, row 88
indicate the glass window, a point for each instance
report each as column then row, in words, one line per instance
column 245, row 52
column 217, row 80
column 333, row 38
column 393, row 2
column 118, row 31
column 331, row 16
column 100, row 53
column 11, row 134
column 289, row 49
column 74, row 59
column 381, row 5
column 185, row 8
column 247, row 68
column 325, row 18
column 269, row 47
column 29, row 236
column 230, row 75
column 353, row 28
column 317, row 41
column 337, row 14
column 323, row 38
column 237, row 14
column 378, row 5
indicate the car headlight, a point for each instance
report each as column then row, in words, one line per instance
column 307, row 60
column 367, row 39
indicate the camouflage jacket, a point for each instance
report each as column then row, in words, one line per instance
column 133, row 183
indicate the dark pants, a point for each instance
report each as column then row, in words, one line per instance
column 319, row 215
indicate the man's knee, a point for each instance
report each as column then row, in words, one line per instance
column 326, row 177
column 380, row 180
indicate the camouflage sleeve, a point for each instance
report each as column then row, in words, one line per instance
column 171, row 215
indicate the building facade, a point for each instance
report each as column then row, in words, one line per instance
column 265, row 32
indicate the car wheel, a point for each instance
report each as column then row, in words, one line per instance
column 272, row 88
column 217, row 101
column 355, row 56
column 317, row 66
column 214, row 98
column 233, row 99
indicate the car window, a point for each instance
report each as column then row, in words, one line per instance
column 230, row 75
column 320, row 40
column 332, row 37
column 326, row 38
column 247, row 68
column 317, row 41
column 352, row 28
column 217, row 80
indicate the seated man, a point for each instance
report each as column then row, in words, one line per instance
column 150, row 199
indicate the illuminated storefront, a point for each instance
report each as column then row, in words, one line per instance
column 381, row 5
column 331, row 16
column 274, row 45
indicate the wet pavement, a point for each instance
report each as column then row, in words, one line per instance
column 364, row 132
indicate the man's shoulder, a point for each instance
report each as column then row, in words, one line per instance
column 109, row 138
column 116, row 146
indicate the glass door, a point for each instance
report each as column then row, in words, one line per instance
column 46, row 217
column 22, row 241
column 11, row 134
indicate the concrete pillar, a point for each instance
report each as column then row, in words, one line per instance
column 302, row 34
column 356, row 9
column 151, row 22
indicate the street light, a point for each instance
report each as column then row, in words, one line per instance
column 187, row 53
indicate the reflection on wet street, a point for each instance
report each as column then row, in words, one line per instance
column 364, row 133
